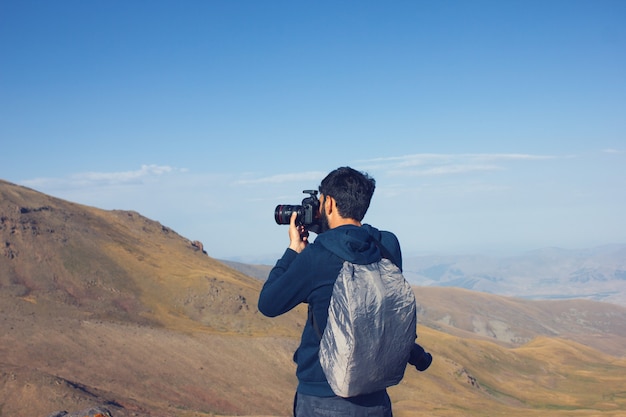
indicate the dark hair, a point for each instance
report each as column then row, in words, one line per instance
column 351, row 189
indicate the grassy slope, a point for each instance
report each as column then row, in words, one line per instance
column 547, row 377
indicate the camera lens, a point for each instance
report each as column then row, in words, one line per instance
column 282, row 213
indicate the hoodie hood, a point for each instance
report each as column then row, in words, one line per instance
column 352, row 243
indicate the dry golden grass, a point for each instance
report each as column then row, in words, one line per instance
column 548, row 377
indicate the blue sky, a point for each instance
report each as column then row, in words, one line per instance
column 488, row 125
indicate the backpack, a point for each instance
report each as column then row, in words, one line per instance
column 371, row 328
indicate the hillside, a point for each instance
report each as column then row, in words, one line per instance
column 117, row 265
column 513, row 322
column 111, row 308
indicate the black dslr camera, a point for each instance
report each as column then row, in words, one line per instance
column 308, row 212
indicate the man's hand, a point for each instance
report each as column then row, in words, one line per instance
column 298, row 235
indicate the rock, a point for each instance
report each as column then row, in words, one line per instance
column 89, row 412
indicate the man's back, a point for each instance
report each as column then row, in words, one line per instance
column 309, row 278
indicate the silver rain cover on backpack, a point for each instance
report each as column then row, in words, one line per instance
column 370, row 331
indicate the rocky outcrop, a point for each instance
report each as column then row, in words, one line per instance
column 198, row 246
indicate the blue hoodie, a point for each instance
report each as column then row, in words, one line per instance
column 309, row 278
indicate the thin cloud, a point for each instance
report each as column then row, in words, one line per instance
column 446, row 164
column 146, row 171
column 424, row 158
column 86, row 179
column 444, row 170
column 284, row 178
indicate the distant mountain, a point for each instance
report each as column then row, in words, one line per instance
column 552, row 273
column 109, row 308
column 515, row 321
column 257, row 271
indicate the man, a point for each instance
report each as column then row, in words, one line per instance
column 306, row 273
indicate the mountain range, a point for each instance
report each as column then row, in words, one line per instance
column 110, row 308
column 551, row 273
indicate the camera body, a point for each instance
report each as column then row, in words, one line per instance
column 308, row 212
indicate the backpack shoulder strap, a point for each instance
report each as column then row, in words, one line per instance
column 316, row 327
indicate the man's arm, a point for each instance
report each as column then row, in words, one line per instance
column 285, row 286
column 420, row 358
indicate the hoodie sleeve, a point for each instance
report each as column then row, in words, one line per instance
column 287, row 284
